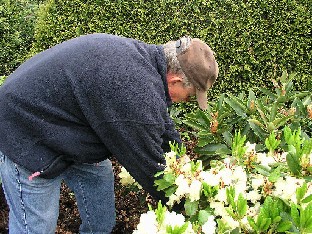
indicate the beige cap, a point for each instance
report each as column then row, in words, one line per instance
column 200, row 67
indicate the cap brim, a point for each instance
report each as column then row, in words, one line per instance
column 202, row 99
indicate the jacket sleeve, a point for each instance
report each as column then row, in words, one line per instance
column 138, row 147
column 170, row 135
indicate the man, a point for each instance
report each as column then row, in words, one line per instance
column 66, row 110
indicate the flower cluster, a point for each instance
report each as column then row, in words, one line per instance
column 127, row 180
column 261, row 196
column 161, row 221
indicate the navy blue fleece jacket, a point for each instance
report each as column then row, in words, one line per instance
column 85, row 100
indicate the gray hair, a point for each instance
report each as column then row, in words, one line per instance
column 173, row 65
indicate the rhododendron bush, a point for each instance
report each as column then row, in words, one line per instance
column 245, row 192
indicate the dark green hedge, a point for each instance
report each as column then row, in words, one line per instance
column 16, row 30
column 254, row 40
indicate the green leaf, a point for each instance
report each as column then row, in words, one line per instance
column 176, row 229
column 205, row 138
column 192, row 123
column 275, row 174
column 293, row 163
column 252, row 223
column 295, row 214
column 241, row 206
column 162, row 184
column 262, row 111
column 237, row 106
column 169, row 191
column 281, row 121
column 307, row 199
column 209, row 191
column 170, row 178
column 160, row 212
column 190, row 207
column 266, row 207
column 284, row 77
column 301, row 191
column 292, row 150
column 277, row 219
column 268, row 93
column 258, row 129
column 230, row 195
column 284, row 226
column 271, row 142
column 213, row 148
column 220, row 102
column 306, row 217
column 263, row 223
column 273, row 111
column 203, row 216
column 227, row 136
column 159, row 173
column 230, row 211
column 206, row 117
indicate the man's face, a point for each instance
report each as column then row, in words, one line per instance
column 179, row 92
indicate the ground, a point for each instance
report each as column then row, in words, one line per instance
column 129, row 206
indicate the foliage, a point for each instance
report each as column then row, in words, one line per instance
column 16, row 29
column 253, row 39
column 1, row 81
column 256, row 116
column 247, row 192
column 2, row 78
column 163, row 221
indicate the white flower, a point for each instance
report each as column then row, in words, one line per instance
column 183, row 186
column 282, row 157
column 254, row 196
column 286, row 188
column 170, row 155
column 173, row 219
column 125, row 177
column 221, row 196
column 186, row 168
column 226, row 176
column 239, row 174
column 265, row 160
column 230, row 221
column 210, row 226
column 240, row 187
column 250, row 147
column 148, row 224
column 280, row 186
column 189, row 229
column 253, row 211
column 195, row 189
column 218, row 207
column 227, row 162
column 171, row 159
column 172, row 199
column 210, row 178
column 257, row 181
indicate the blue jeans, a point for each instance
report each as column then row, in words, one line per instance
column 34, row 205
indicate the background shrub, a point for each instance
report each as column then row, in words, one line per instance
column 16, row 30
column 254, row 40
